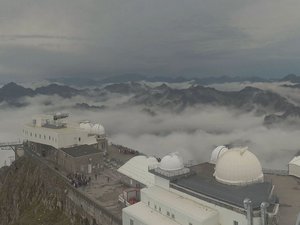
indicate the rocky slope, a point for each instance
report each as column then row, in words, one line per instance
column 31, row 196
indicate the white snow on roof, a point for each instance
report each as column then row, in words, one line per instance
column 137, row 169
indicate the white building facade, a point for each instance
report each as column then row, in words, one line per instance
column 181, row 196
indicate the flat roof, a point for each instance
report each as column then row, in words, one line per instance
column 81, row 150
column 197, row 211
column 147, row 215
column 204, row 183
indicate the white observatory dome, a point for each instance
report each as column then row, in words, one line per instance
column 98, row 129
column 86, row 125
column 238, row 166
column 217, row 153
column 171, row 162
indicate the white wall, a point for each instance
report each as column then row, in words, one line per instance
column 161, row 182
column 40, row 135
column 126, row 219
column 57, row 139
column 169, row 211
column 226, row 216
column 294, row 170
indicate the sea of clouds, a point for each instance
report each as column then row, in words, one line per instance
column 194, row 133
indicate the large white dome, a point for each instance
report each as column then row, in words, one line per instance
column 217, row 153
column 171, row 162
column 238, row 166
column 98, row 129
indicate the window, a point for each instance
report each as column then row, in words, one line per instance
column 235, row 222
column 155, row 207
column 131, row 222
column 173, row 216
column 168, row 213
column 159, row 209
column 35, row 135
column 40, row 136
column 79, row 139
column 30, row 134
column 148, row 203
column 45, row 137
column 190, row 223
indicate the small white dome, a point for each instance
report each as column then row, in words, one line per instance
column 98, row 129
column 217, row 152
column 86, row 126
column 152, row 160
column 238, row 166
column 171, row 162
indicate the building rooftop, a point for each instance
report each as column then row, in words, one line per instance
column 203, row 183
column 183, row 205
column 144, row 214
column 81, row 150
column 287, row 189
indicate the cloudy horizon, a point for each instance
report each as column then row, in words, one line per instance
column 47, row 39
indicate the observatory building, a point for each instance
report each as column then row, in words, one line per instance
column 230, row 190
column 294, row 167
column 77, row 147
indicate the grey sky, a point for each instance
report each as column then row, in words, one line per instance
column 49, row 38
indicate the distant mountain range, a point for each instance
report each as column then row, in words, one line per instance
column 12, row 91
column 164, row 97
column 167, row 79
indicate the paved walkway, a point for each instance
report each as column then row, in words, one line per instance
column 106, row 192
column 287, row 188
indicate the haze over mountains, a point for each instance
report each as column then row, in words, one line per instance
column 160, row 117
column 163, row 96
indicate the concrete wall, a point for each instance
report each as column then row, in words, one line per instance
column 78, row 164
column 294, row 170
column 161, row 182
column 67, row 198
column 225, row 215
column 57, row 138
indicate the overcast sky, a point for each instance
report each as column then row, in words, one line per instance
column 48, row 38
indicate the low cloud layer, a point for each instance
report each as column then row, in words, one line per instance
column 194, row 133
column 292, row 94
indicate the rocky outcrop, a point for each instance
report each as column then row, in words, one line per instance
column 29, row 194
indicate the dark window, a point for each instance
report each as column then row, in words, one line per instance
column 235, row 222
column 79, row 139
column 131, row 222
column 168, row 213
column 173, row 216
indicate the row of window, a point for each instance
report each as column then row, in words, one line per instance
column 171, row 215
column 40, row 136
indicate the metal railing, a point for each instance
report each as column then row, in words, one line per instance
column 276, row 172
column 8, row 144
